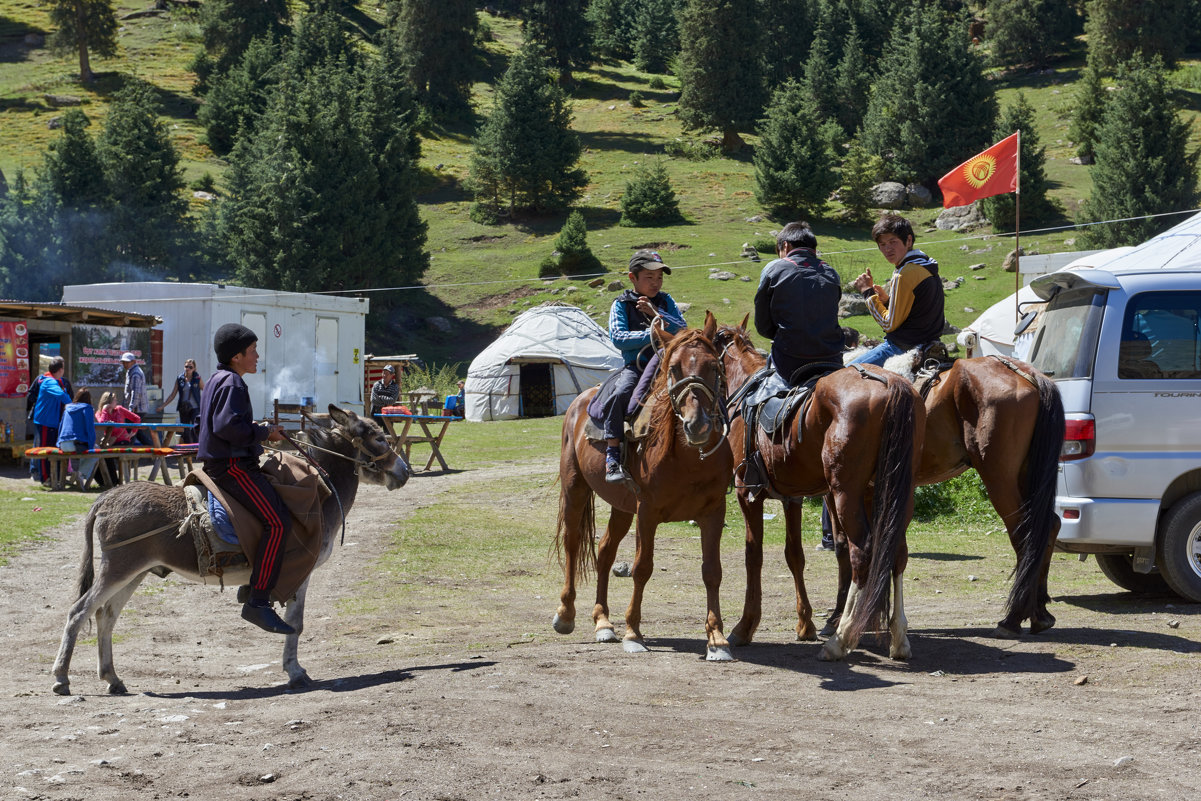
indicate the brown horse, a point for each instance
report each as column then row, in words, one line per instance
column 1005, row 419
column 679, row 472
column 137, row 527
column 859, row 437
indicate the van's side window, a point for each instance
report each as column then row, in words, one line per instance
column 1161, row 336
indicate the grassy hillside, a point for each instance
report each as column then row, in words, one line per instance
column 483, row 275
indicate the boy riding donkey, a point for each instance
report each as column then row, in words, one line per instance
column 630, row 320
column 230, row 446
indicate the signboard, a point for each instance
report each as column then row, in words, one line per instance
column 96, row 353
column 14, row 359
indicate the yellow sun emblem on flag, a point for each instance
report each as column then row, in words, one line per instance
column 977, row 171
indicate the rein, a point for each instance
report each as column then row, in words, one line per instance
column 675, row 395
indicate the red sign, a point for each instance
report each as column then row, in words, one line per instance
column 14, row 359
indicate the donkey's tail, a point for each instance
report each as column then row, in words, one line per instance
column 87, row 571
column 893, row 497
column 1038, row 525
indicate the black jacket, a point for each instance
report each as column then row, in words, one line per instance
column 796, row 306
column 227, row 427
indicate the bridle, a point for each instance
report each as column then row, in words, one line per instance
column 676, row 391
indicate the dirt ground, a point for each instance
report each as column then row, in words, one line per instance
column 1104, row 706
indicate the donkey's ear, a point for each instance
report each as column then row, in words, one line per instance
column 341, row 416
column 745, row 320
column 710, row 325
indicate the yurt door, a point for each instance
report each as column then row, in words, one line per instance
column 537, row 390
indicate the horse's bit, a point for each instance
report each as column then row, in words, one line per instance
column 675, row 394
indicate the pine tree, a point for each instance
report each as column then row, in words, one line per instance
column 561, row 28
column 820, row 77
column 71, row 166
column 1001, row 210
column 227, row 27
column 931, row 106
column 787, row 33
column 850, row 88
column 1088, row 109
column 612, row 24
column 1028, row 31
column 1116, row 29
column 721, row 75
column 525, row 153
column 144, row 178
column 322, row 196
column 649, row 199
column 85, row 27
column 794, row 161
column 860, row 172
column 656, row 35
column 1143, row 162
column 237, row 98
column 439, row 38
column 572, row 244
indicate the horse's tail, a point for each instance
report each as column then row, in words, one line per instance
column 87, row 572
column 1037, row 524
column 892, row 499
column 585, row 555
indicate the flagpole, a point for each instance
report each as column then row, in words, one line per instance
column 1017, row 236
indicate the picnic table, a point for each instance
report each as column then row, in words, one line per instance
column 432, row 429
column 162, row 436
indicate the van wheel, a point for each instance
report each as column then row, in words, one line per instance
column 1180, row 548
column 1119, row 569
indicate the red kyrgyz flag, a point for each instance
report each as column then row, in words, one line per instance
column 993, row 172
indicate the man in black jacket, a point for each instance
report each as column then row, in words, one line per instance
column 796, row 305
column 229, row 446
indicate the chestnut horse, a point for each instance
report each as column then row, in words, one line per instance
column 679, row 472
column 859, row 437
column 1005, row 419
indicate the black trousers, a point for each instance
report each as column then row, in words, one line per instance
column 615, row 408
column 246, row 484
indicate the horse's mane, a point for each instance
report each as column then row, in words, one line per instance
column 662, row 413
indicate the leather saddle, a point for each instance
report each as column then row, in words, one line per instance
column 772, row 402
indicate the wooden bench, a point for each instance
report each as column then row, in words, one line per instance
column 127, row 461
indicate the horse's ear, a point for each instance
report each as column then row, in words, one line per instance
column 660, row 337
column 746, row 318
column 340, row 416
column 710, row 328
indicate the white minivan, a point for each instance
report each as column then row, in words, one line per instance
column 1124, row 348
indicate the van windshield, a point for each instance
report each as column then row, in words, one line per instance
column 1067, row 339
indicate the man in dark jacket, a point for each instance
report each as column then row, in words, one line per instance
column 796, row 305
column 229, row 446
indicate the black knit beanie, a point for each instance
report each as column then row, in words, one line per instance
column 231, row 339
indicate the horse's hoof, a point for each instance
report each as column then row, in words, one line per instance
column 719, row 653
column 562, row 625
column 830, row 628
column 806, row 635
column 606, row 635
column 832, row 651
column 737, row 640
column 633, row 647
column 901, row 652
column 117, row 688
column 1038, row 626
column 1004, row 633
column 62, row 687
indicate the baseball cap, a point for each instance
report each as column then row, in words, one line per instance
column 648, row 260
column 127, row 357
column 388, row 368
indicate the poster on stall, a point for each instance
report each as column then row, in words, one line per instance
column 14, row 359
column 96, row 353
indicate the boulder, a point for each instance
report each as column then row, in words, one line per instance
column 852, row 305
column 616, row 286
column 918, row 196
column 1011, row 260
column 722, row 275
column 597, row 283
column 889, row 195
column 960, row 218
column 439, row 325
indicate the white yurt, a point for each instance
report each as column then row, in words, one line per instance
column 549, row 355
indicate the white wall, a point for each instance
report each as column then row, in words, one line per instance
column 292, row 364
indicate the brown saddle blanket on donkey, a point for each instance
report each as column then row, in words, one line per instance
column 303, row 492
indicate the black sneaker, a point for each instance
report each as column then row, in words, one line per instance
column 614, row 474
column 265, row 618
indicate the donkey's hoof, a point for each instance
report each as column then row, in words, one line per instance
column 117, row 688
column 719, row 653
column 606, row 635
column 562, row 625
column 1039, row 625
column 1004, row 633
column 62, row 687
column 633, row 647
column 300, row 682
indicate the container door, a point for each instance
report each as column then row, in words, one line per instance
column 327, row 361
column 256, row 383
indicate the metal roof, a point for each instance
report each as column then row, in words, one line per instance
column 76, row 314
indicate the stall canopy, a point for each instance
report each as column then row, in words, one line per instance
column 549, row 355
